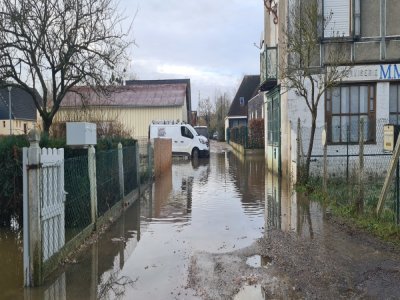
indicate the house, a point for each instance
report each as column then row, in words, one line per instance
column 368, row 36
column 238, row 111
column 133, row 105
column 23, row 114
column 255, row 108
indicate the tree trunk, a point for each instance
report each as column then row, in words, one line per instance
column 310, row 146
column 46, row 125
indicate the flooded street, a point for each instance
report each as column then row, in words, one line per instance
column 221, row 228
column 214, row 205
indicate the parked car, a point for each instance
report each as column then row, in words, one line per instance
column 185, row 140
column 215, row 136
column 201, row 130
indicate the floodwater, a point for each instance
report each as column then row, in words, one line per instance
column 217, row 205
column 214, row 205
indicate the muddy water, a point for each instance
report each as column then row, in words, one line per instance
column 215, row 205
column 334, row 261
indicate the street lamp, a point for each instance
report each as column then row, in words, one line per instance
column 9, row 107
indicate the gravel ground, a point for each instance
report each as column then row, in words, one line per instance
column 338, row 262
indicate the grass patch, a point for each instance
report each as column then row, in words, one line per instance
column 340, row 198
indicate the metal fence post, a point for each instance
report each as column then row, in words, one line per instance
column 33, row 269
column 93, row 182
column 121, row 171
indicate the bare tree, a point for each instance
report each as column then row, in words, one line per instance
column 206, row 110
column 222, row 104
column 300, row 68
column 53, row 45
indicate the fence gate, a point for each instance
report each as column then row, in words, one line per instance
column 52, row 201
column 43, row 205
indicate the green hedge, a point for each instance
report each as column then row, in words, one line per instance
column 11, row 178
column 256, row 134
column 11, row 190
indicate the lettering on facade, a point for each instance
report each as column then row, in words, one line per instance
column 389, row 72
column 363, row 73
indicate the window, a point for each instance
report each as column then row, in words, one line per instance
column 394, row 104
column 4, row 124
column 25, row 128
column 337, row 14
column 241, row 99
column 392, row 17
column 186, row 132
column 345, row 107
column 370, row 10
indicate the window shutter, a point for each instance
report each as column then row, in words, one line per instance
column 337, row 18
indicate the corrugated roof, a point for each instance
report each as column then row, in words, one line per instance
column 22, row 105
column 247, row 90
column 136, row 95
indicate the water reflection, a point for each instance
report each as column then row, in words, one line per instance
column 172, row 193
column 287, row 210
column 249, row 175
column 213, row 205
column 11, row 275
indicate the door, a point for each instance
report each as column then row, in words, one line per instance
column 274, row 131
column 185, row 140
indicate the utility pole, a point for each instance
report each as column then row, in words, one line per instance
column 9, row 107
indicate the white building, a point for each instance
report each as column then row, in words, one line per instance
column 368, row 34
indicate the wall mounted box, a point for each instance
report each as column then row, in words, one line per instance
column 390, row 134
column 81, row 134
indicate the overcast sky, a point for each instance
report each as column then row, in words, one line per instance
column 209, row 41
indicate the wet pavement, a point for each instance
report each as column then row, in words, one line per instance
column 219, row 228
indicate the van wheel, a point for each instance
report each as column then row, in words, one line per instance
column 195, row 153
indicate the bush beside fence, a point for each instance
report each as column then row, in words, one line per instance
column 251, row 137
column 75, row 174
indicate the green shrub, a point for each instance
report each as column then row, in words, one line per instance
column 256, row 134
column 11, row 178
column 11, row 189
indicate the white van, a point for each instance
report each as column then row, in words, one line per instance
column 185, row 140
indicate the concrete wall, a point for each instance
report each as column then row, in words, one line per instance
column 162, row 156
column 378, row 43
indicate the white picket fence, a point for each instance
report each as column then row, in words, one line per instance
column 52, row 201
column 43, row 208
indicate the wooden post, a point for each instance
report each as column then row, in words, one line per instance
column 121, row 171
column 298, row 163
column 33, row 271
column 325, row 178
column 388, row 179
column 93, row 183
column 360, row 197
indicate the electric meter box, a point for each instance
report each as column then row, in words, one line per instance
column 390, row 134
column 81, row 134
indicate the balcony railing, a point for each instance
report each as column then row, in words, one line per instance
column 268, row 62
